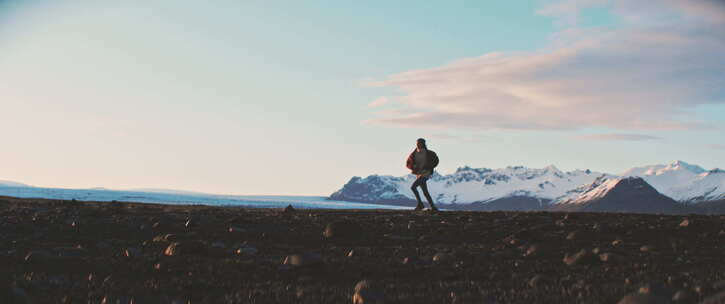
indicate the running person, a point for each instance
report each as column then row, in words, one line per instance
column 421, row 162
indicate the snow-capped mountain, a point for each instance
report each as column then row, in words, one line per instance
column 628, row 194
column 469, row 185
column 683, row 182
column 680, row 181
column 4, row 183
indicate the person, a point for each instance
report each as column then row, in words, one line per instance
column 421, row 162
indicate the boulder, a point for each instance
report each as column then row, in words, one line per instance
column 367, row 292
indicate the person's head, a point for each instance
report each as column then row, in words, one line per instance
column 420, row 143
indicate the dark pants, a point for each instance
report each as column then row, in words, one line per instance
column 421, row 181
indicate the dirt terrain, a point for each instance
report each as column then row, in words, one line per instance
column 88, row 252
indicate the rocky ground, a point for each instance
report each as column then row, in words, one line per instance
column 87, row 252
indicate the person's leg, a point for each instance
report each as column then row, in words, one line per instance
column 414, row 187
column 424, row 186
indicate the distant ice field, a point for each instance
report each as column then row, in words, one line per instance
column 300, row 202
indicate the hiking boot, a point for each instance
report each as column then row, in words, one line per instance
column 418, row 208
column 434, row 209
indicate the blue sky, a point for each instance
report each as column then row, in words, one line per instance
column 254, row 97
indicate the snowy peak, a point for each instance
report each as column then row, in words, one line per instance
column 678, row 167
column 628, row 194
column 603, row 186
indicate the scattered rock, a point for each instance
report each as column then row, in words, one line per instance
column 412, row 260
column 640, row 298
column 359, row 251
column 191, row 223
column 247, row 250
column 683, row 296
column 609, row 257
column 132, row 252
column 538, row 280
column 656, row 288
column 235, row 229
column 583, row 257
column 166, row 238
column 646, row 248
column 532, row 250
column 367, row 292
column 39, row 257
column 442, row 257
column 300, row 260
column 185, row 248
column 343, row 230
column 684, row 223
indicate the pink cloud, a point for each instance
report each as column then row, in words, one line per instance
column 378, row 102
column 618, row 137
column 635, row 78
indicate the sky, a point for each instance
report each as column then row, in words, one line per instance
column 296, row 97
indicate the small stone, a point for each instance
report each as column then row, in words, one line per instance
column 343, row 230
column 300, row 260
column 646, row 248
column 235, row 229
column 411, row 260
column 656, row 288
column 132, row 252
column 572, row 235
column 367, row 292
column 359, row 251
column 442, row 257
column 684, row 223
column 609, row 257
column 683, row 296
column 185, row 248
column 616, row 243
column 640, row 298
column 38, row 257
column 166, row 238
column 190, row 223
column 247, row 250
column 532, row 250
column 538, row 280
column 583, row 257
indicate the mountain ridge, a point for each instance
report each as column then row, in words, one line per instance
column 683, row 182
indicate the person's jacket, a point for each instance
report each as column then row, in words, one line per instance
column 431, row 161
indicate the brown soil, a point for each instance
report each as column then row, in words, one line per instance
column 84, row 252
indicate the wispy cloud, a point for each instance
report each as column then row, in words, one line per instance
column 644, row 75
column 617, row 137
column 442, row 136
column 378, row 102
